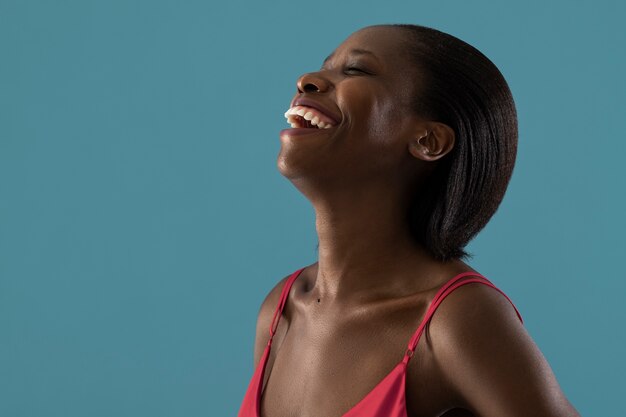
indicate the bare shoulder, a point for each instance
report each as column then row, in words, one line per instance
column 264, row 318
column 489, row 361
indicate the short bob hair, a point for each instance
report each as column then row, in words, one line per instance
column 464, row 90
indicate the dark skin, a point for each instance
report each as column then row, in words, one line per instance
column 349, row 316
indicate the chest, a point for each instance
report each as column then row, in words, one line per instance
column 320, row 367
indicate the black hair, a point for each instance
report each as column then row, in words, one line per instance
column 463, row 89
column 460, row 87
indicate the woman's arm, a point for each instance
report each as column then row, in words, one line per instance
column 489, row 360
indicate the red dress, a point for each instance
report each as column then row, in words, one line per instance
column 387, row 399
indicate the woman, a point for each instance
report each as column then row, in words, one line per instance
column 404, row 142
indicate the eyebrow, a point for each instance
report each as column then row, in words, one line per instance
column 351, row 52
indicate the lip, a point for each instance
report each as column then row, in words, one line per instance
column 297, row 131
column 302, row 101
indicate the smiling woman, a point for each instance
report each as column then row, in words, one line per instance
column 404, row 142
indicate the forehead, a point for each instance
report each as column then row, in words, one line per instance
column 388, row 48
column 387, row 44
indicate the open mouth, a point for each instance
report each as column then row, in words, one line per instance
column 301, row 117
column 299, row 122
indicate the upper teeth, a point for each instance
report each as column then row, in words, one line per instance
column 312, row 115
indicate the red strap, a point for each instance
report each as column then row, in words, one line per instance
column 439, row 297
column 283, row 299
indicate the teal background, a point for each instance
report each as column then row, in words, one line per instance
column 143, row 219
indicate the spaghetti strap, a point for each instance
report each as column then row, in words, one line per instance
column 281, row 305
column 443, row 292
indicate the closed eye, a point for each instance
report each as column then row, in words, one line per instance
column 349, row 70
column 355, row 69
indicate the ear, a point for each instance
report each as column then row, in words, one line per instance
column 432, row 141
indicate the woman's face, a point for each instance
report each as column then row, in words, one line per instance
column 366, row 85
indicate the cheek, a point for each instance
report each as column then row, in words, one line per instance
column 384, row 120
column 375, row 114
column 386, row 128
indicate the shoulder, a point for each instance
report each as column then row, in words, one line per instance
column 265, row 316
column 487, row 358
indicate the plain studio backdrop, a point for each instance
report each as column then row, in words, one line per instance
column 143, row 219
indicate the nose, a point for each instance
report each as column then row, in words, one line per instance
column 312, row 82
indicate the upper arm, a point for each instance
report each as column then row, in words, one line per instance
column 489, row 360
column 264, row 319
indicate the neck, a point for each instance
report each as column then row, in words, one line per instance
column 365, row 246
